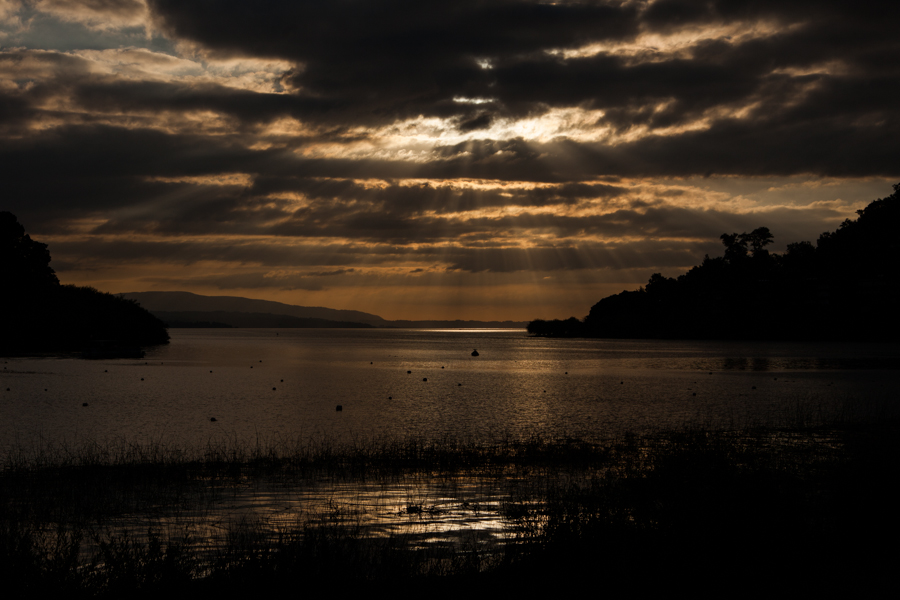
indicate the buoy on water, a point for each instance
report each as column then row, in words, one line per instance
column 474, row 352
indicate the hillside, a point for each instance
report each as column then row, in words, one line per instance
column 250, row 319
column 41, row 315
column 246, row 312
column 181, row 302
column 843, row 288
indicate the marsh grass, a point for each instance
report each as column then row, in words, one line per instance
column 806, row 497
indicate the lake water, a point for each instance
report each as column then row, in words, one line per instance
column 274, row 383
column 271, row 385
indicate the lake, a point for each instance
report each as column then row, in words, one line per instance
column 274, row 383
column 281, row 386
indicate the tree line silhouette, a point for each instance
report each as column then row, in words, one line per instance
column 846, row 287
column 41, row 315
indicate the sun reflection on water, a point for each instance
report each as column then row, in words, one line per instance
column 456, row 512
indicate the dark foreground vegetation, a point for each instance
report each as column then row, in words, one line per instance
column 40, row 315
column 806, row 504
column 844, row 288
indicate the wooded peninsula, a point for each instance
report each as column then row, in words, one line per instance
column 845, row 287
column 41, row 315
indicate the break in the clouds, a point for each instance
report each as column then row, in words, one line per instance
column 465, row 159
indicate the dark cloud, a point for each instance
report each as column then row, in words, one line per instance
column 381, row 61
column 657, row 237
column 480, row 121
column 247, row 107
column 270, row 254
column 14, row 113
column 330, row 163
column 82, row 170
column 127, row 9
column 257, row 259
column 392, row 58
column 830, row 146
column 823, row 73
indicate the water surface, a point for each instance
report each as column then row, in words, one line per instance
column 271, row 383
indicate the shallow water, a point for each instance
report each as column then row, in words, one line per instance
column 454, row 511
column 271, row 384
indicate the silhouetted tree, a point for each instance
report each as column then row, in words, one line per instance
column 537, row 327
column 24, row 263
column 800, row 255
column 661, row 287
column 39, row 314
column 735, row 247
column 571, row 327
column 758, row 239
column 844, row 288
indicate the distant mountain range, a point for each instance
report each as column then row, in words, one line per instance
column 181, row 309
column 184, row 309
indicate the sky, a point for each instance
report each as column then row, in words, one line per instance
column 436, row 160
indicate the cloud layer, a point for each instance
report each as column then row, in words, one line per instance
column 320, row 152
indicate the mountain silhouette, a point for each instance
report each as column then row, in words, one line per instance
column 187, row 302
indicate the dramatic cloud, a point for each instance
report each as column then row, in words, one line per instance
column 522, row 157
column 96, row 14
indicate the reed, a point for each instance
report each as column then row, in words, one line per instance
column 120, row 518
